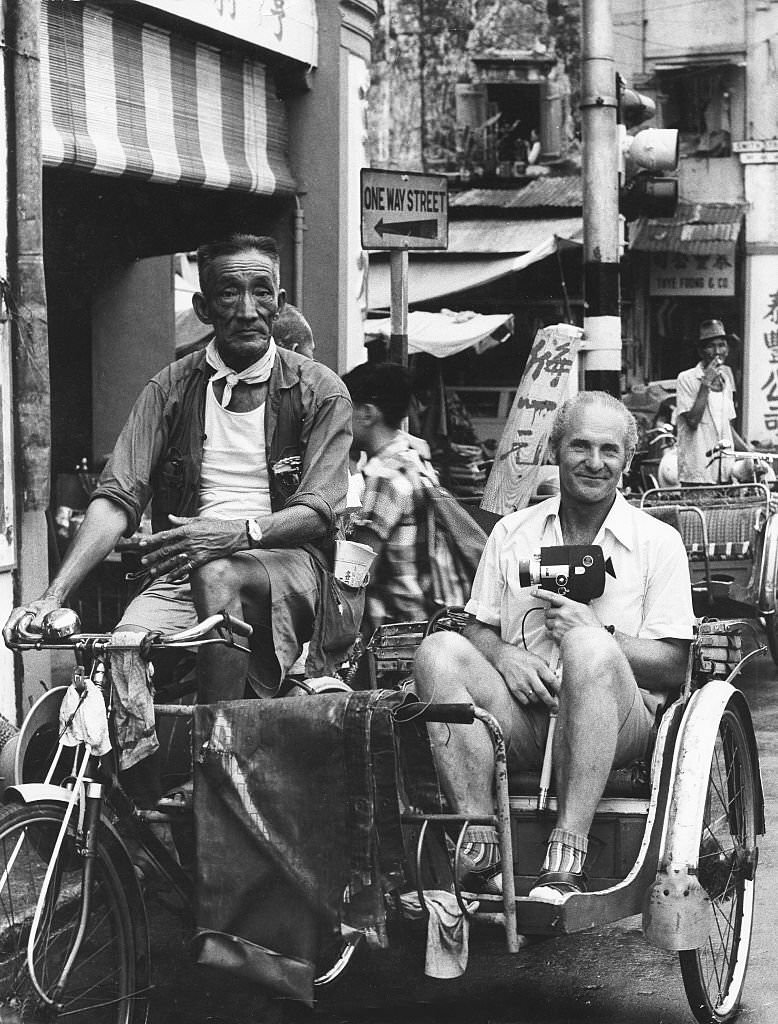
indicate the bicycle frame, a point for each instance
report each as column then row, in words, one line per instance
column 91, row 789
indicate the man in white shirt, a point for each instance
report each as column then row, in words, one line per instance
column 619, row 656
column 705, row 409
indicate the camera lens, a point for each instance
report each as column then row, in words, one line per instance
column 525, row 572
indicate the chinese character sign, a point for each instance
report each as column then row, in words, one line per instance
column 522, row 450
column 761, row 363
column 678, row 273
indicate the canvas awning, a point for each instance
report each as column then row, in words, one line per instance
column 123, row 98
column 447, row 332
column 435, row 275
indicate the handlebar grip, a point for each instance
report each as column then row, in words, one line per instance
column 22, row 633
column 454, row 714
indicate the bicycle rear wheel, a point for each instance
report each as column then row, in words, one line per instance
column 714, row 975
column 108, row 982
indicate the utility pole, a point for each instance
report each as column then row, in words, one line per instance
column 602, row 320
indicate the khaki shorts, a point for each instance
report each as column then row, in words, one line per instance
column 525, row 735
column 168, row 607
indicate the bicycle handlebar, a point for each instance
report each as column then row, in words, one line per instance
column 27, row 640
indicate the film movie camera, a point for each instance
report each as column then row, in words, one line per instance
column 576, row 571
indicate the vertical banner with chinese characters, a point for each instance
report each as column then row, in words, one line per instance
column 760, row 398
column 522, row 449
column 680, row 273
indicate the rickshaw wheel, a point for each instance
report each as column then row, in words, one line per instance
column 713, row 975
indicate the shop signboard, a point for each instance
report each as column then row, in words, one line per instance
column 548, row 378
column 761, row 355
column 283, row 26
column 689, row 274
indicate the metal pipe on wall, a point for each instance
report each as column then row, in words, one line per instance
column 29, row 337
column 299, row 234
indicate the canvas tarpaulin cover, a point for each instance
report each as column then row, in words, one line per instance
column 295, row 804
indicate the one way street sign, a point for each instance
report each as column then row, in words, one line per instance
column 403, row 210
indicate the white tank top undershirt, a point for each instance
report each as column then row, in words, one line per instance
column 233, row 481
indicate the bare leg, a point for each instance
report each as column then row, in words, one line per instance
column 239, row 586
column 448, row 668
column 597, row 693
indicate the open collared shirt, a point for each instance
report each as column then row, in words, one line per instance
column 694, row 465
column 649, row 595
column 160, row 449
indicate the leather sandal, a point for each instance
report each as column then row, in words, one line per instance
column 555, row 886
column 482, row 883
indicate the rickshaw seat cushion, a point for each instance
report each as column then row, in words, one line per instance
column 631, row 781
column 720, row 551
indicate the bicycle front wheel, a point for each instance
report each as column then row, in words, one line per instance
column 714, row 974
column 108, row 982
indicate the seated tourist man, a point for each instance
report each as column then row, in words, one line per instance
column 243, row 450
column 622, row 655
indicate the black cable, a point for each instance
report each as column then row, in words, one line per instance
column 535, row 608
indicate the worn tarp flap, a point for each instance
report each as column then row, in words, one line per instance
column 290, row 797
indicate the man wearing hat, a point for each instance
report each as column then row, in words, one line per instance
column 705, row 410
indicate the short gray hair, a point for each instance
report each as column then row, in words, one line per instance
column 602, row 400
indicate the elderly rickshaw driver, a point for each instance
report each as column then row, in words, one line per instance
column 243, row 449
column 622, row 655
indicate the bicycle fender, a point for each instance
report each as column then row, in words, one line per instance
column 768, row 575
column 31, row 792
column 677, row 911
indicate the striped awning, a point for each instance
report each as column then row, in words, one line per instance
column 119, row 97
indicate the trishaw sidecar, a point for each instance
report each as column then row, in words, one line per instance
column 674, row 839
column 730, row 532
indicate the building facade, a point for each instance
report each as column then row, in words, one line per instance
column 710, row 67
column 159, row 125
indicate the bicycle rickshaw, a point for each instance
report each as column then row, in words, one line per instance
column 674, row 839
column 730, row 532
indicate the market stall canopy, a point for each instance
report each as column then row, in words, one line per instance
column 434, row 275
column 447, row 332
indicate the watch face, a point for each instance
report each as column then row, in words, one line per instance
column 255, row 533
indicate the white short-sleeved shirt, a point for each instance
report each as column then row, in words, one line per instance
column 714, row 427
column 649, row 595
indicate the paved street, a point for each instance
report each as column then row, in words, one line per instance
column 599, row 977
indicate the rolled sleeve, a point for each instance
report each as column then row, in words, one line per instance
column 126, row 478
column 489, row 584
column 668, row 600
column 325, row 472
column 687, row 386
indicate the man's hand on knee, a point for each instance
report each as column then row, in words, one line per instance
column 191, row 543
column 529, row 678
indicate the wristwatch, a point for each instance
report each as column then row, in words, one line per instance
column 254, row 533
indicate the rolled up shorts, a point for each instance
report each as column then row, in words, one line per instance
column 167, row 607
column 525, row 738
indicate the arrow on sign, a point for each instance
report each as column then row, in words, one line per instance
column 410, row 228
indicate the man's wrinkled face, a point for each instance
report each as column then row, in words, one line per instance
column 714, row 348
column 241, row 300
column 592, row 456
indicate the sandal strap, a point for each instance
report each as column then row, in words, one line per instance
column 564, row 881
